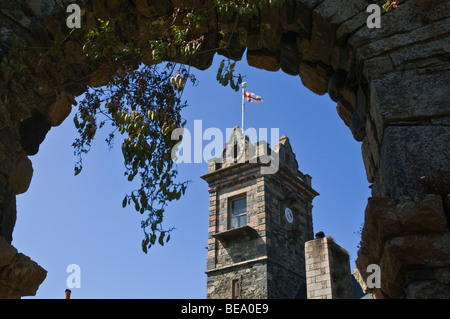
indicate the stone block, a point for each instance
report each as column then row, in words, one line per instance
column 8, row 214
column 399, row 40
column 324, row 293
column 264, row 60
column 344, row 113
column 7, row 292
column 326, row 17
column 7, row 252
column 314, row 78
column 443, row 275
column 60, row 110
column 420, row 51
column 369, row 164
column 375, row 67
column 386, row 218
column 270, row 27
column 322, row 39
column 414, row 161
column 26, row 277
column 429, row 289
column 289, row 55
column 351, row 25
column 406, row 21
column 21, row 175
column 404, row 96
column 8, row 147
column 430, row 251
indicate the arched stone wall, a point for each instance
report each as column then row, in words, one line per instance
column 391, row 86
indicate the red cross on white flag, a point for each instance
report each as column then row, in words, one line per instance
column 251, row 97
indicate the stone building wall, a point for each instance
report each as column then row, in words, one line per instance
column 327, row 270
column 222, row 253
column 254, row 281
column 286, row 240
column 270, row 244
column 318, row 278
column 341, row 282
column 231, row 258
column 282, row 282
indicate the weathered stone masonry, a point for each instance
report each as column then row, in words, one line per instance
column 267, row 254
column 390, row 86
column 327, row 270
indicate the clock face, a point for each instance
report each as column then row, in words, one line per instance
column 289, row 215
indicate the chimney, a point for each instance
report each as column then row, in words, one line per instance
column 327, row 269
column 320, row 234
column 67, row 295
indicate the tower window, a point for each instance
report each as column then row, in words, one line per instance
column 236, row 289
column 238, row 216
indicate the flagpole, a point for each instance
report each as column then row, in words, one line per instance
column 243, row 103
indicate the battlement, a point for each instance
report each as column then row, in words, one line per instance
column 240, row 150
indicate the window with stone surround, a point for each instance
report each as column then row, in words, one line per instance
column 236, row 288
column 238, row 212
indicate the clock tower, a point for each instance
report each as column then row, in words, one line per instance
column 258, row 221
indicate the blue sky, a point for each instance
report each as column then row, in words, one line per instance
column 64, row 219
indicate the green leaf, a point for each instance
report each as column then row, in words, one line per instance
column 143, row 199
column 161, row 238
column 77, row 170
column 124, row 203
column 75, row 121
column 144, row 244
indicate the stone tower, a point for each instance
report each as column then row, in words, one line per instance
column 258, row 222
column 327, row 269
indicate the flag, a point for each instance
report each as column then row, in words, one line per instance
column 251, row 97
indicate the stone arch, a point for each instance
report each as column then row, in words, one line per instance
column 390, row 86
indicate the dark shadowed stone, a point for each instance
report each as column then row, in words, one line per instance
column 8, row 214
column 23, row 274
column 415, row 161
column 336, row 85
column 8, row 147
column 430, row 251
column 33, row 131
column 289, row 56
column 264, row 60
column 358, row 126
column 21, row 175
column 427, row 289
column 411, row 100
column 59, row 110
column 385, row 218
column 313, row 77
column 7, row 252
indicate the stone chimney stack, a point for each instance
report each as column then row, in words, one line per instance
column 327, row 269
